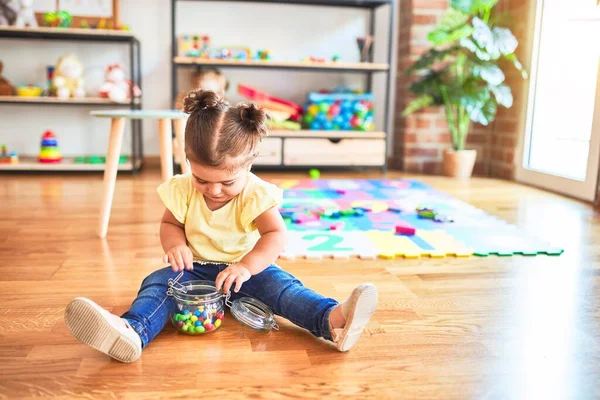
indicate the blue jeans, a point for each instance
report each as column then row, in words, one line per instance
column 274, row 287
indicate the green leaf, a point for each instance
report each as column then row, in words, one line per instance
column 484, row 114
column 472, row 6
column 464, row 6
column 417, row 104
column 440, row 37
column 451, row 20
column 489, row 72
column 469, row 44
column 496, row 42
column 428, row 58
column 505, row 41
column 503, row 95
column 428, row 84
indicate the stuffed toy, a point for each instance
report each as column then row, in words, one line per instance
column 8, row 12
column 6, row 89
column 116, row 87
column 67, row 80
column 26, row 15
column 207, row 79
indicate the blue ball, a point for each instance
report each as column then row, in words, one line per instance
column 328, row 125
column 316, row 125
column 338, row 120
column 346, row 126
column 347, row 116
column 321, row 117
column 197, row 313
column 198, row 323
column 358, row 107
column 346, row 106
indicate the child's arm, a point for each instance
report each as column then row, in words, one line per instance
column 172, row 238
column 272, row 240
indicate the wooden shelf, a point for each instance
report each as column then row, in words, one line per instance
column 56, row 100
column 106, row 35
column 327, row 134
column 329, row 65
column 333, row 3
column 30, row 163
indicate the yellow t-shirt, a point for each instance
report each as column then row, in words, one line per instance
column 224, row 235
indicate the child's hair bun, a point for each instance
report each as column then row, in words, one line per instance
column 202, row 100
column 253, row 118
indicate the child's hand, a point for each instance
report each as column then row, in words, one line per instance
column 180, row 257
column 237, row 273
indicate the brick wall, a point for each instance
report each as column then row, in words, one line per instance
column 421, row 138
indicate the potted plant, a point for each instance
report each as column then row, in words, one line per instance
column 461, row 72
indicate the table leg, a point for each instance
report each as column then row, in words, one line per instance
column 166, row 148
column 179, row 125
column 117, row 126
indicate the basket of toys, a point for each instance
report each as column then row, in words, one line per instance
column 339, row 111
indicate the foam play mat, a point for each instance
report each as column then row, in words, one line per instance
column 393, row 218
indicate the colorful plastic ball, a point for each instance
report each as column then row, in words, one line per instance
column 314, row 173
column 362, row 113
column 346, row 106
column 321, row 117
column 217, row 323
column 337, row 127
column 209, row 327
column 308, row 119
column 193, row 318
column 338, row 120
column 315, row 125
column 198, row 323
column 355, row 122
column 358, row 106
column 313, row 109
column 200, row 329
column 186, row 311
column 346, row 126
column 323, row 107
column 334, row 109
column 328, row 125
column 197, row 313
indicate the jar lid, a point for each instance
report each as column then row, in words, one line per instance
column 253, row 314
column 197, row 291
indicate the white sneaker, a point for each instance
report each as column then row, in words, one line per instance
column 357, row 310
column 103, row 331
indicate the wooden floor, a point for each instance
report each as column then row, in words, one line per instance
column 480, row 328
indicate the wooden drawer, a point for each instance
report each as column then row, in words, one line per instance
column 324, row 152
column 269, row 152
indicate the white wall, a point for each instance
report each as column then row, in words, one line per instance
column 291, row 32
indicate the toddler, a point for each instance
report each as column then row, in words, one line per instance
column 221, row 224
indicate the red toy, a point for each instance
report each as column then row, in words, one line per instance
column 405, row 230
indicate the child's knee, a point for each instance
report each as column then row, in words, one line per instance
column 160, row 276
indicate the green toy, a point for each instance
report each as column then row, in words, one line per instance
column 314, row 173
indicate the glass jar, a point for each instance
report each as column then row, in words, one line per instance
column 198, row 307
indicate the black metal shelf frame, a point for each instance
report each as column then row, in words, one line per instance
column 370, row 5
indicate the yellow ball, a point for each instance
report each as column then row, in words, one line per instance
column 218, row 323
column 313, row 109
column 194, row 318
column 206, row 322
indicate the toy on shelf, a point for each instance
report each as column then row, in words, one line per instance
column 364, row 45
column 207, row 79
column 49, row 152
column 343, row 111
column 67, row 80
column 94, row 159
column 26, row 15
column 314, row 173
column 6, row 89
column 312, row 59
column 194, row 46
column 4, row 157
column 14, row 157
column 116, row 87
column 8, row 12
column 263, row 55
column 29, row 91
column 336, row 57
column 59, row 19
column 284, row 114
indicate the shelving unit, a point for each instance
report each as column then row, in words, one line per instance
column 85, row 35
column 276, row 149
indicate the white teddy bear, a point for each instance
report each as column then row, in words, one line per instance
column 68, row 81
column 116, row 87
column 26, row 15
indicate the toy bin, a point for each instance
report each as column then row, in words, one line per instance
column 339, row 112
column 198, row 308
